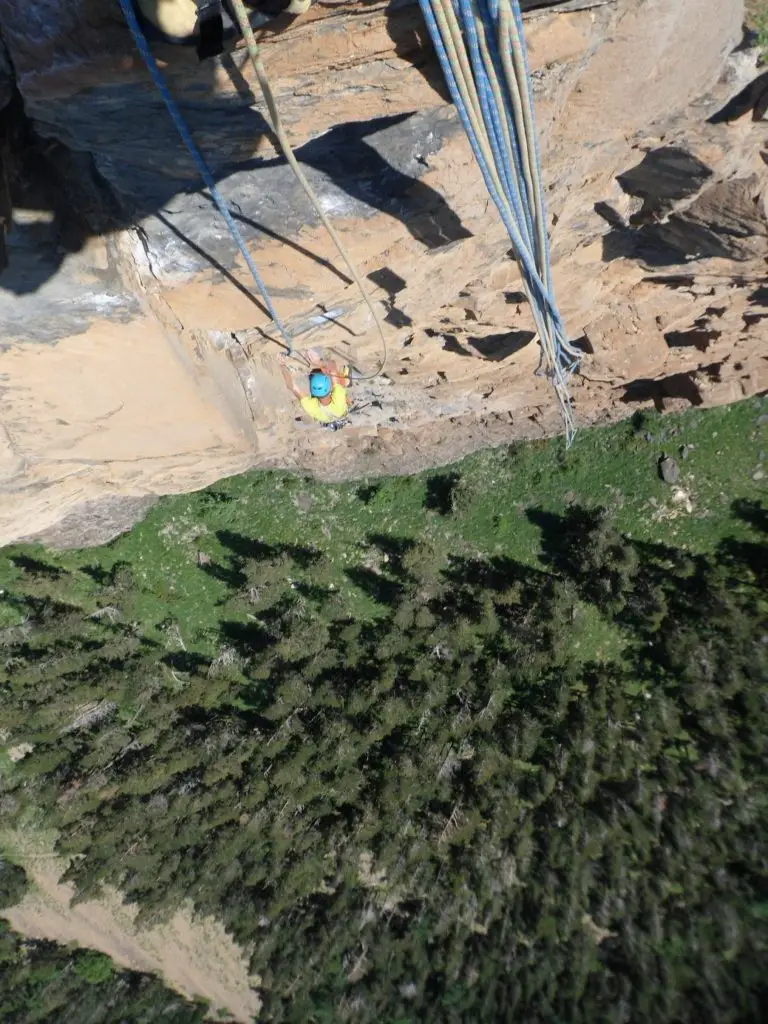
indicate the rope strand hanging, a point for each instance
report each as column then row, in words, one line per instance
column 181, row 127
column 481, row 48
column 244, row 25
column 254, row 54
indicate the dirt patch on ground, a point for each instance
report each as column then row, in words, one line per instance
column 193, row 955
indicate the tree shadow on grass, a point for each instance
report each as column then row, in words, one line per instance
column 562, row 536
column 441, row 491
column 380, row 588
column 749, row 555
column 36, row 567
column 242, row 550
column 752, row 512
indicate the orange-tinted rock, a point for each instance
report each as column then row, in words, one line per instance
column 134, row 359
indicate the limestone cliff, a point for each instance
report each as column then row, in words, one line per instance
column 134, row 361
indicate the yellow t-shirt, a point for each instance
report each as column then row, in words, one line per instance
column 337, row 408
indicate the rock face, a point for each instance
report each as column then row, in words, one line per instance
column 134, row 359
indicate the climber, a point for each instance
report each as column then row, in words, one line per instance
column 325, row 399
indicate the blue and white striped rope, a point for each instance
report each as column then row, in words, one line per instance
column 481, row 48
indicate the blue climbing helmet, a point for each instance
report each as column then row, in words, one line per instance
column 319, row 384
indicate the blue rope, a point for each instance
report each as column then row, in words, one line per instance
column 516, row 206
column 512, row 225
column 493, row 116
column 181, row 127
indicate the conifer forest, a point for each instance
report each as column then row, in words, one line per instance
column 487, row 745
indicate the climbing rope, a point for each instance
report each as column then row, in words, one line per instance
column 279, row 131
column 278, row 128
column 481, row 48
column 181, row 127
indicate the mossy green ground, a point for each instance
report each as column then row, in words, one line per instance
column 480, row 505
column 757, row 20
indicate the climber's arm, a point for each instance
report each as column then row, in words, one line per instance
column 340, row 374
column 291, row 384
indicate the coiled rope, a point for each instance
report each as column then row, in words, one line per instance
column 481, row 48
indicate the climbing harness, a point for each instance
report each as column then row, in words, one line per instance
column 481, row 48
column 244, row 24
